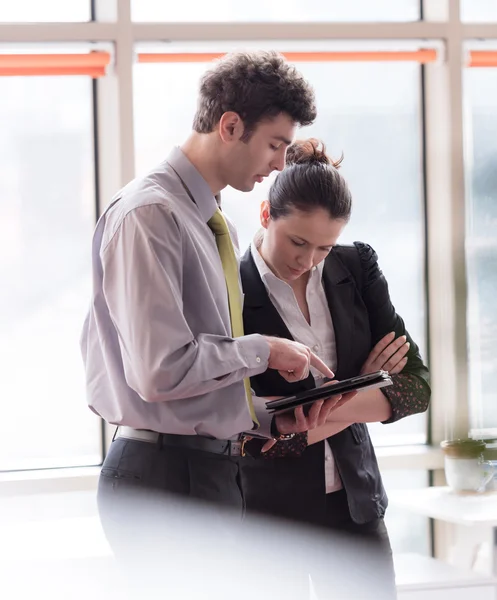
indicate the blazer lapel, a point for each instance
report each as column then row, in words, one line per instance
column 260, row 316
column 339, row 289
column 257, row 302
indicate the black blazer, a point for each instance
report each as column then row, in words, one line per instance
column 362, row 314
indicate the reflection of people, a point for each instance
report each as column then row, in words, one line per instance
column 299, row 284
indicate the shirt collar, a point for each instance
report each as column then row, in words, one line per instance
column 264, row 271
column 194, row 182
column 319, row 268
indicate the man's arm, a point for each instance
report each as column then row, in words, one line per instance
column 142, row 283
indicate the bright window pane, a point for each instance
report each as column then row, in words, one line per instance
column 478, row 11
column 408, row 532
column 278, row 10
column 51, row 11
column 47, row 216
column 371, row 113
column 481, row 243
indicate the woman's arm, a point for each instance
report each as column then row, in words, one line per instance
column 410, row 392
column 383, row 317
column 407, row 396
column 369, row 406
column 325, row 431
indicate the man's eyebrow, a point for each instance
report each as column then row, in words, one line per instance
column 282, row 139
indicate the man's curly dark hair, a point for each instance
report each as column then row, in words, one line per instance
column 257, row 86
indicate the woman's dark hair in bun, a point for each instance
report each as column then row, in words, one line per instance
column 309, row 181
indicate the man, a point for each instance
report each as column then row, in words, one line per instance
column 165, row 357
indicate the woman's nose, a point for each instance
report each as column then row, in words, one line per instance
column 306, row 261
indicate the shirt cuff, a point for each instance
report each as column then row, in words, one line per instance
column 255, row 351
column 407, row 396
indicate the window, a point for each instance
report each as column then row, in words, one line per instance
column 52, row 11
column 279, row 10
column 408, row 532
column 481, row 243
column 478, row 11
column 47, row 215
column 375, row 123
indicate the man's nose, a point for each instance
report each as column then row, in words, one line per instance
column 278, row 164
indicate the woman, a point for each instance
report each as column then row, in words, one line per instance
column 298, row 283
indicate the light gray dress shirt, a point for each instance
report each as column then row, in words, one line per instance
column 318, row 335
column 157, row 342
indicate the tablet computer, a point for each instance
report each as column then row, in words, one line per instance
column 378, row 379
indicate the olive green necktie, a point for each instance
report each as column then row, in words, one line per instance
column 230, row 267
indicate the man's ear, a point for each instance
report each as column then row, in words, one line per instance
column 231, row 127
column 264, row 214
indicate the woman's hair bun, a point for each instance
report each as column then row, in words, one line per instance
column 309, row 152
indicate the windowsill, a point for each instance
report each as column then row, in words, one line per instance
column 86, row 478
column 48, row 481
column 424, row 457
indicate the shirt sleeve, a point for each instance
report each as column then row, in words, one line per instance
column 263, row 416
column 408, row 395
column 142, row 283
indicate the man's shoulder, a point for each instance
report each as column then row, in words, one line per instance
column 160, row 188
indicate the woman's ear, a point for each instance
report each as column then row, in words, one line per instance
column 265, row 214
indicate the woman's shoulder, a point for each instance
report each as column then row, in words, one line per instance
column 359, row 253
column 361, row 260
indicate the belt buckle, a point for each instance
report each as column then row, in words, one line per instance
column 238, row 448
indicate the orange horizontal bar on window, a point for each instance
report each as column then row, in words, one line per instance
column 483, row 58
column 420, row 56
column 92, row 64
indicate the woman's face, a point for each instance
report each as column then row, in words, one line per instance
column 296, row 243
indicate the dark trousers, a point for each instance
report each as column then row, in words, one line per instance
column 156, row 468
column 173, row 518
column 294, row 489
column 372, row 538
column 161, row 507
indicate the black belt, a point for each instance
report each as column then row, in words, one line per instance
column 191, row 442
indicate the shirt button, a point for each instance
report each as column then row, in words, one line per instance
column 328, row 458
column 315, row 348
column 257, row 359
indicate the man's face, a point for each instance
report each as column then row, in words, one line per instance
column 248, row 163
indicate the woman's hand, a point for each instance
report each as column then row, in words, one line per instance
column 299, row 421
column 389, row 354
